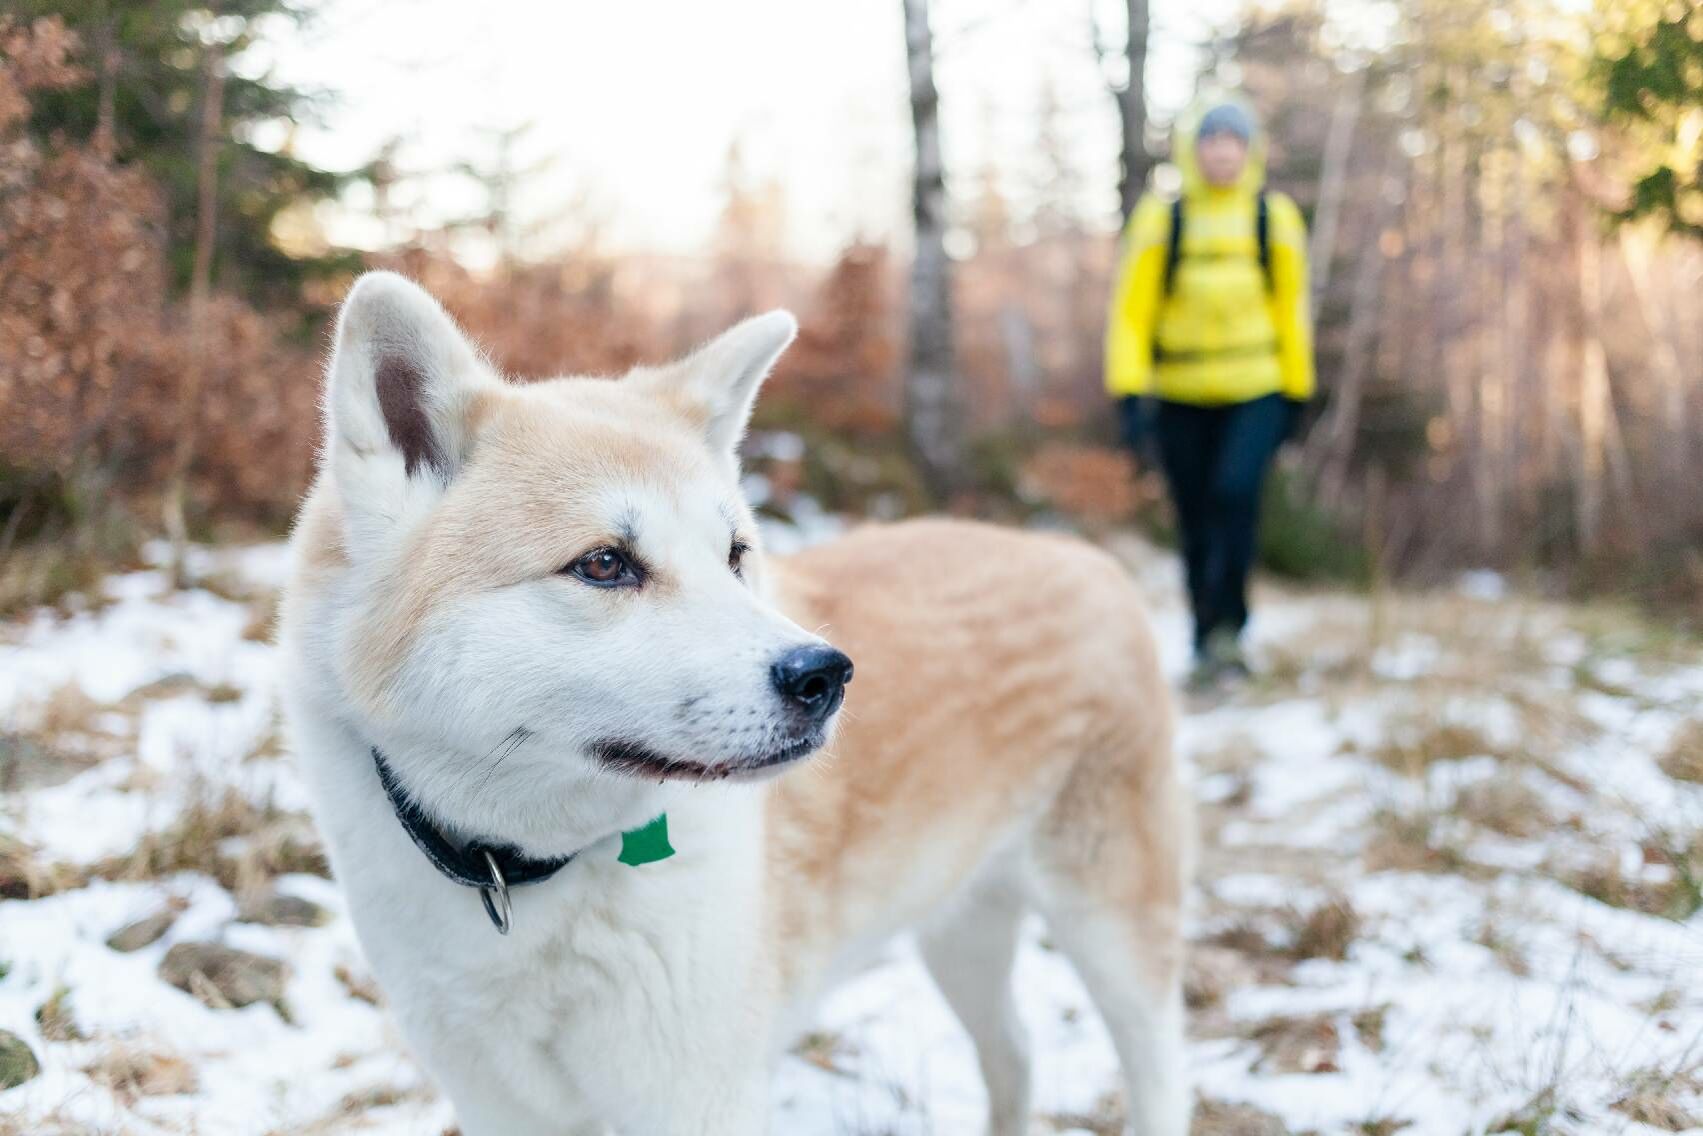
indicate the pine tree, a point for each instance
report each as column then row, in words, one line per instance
column 141, row 99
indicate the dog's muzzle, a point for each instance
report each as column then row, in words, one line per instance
column 812, row 680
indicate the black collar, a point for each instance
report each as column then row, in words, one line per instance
column 491, row 868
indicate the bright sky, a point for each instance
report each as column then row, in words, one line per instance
column 634, row 104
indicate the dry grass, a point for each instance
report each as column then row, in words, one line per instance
column 262, row 622
column 1211, row 972
column 24, row 875
column 53, row 740
column 1381, row 1126
column 68, row 710
column 1369, row 1026
column 1677, row 895
column 825, row 1050
column 56, row 1019
column 1412, row 746
column 1261, row 951
column 1326, row 931
column 1105, row 1118
column 1534, row 1118
column 53, row 1123
column 1684, row 758
column 1508, row 952
column 166, row 686
column 135, row 1071
column 360, row 986
column 1505, row 804
column 1606, row 882
column 190, row 843
column 46, row 571
column 1652, row 1098
column 1235, row 754
column 346, row 1115
column 273, row 842
column 1296, row 1043
column 1414, row 842
column 268, row 747
column 1223, row 1118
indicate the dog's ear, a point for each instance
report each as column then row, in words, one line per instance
column 717, row 384
column 400, row 396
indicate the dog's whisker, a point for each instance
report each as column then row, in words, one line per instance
column 509, row 742
column 520, row 736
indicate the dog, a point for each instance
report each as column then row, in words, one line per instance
column 580, row 758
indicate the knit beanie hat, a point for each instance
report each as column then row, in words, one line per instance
column 1226, row 118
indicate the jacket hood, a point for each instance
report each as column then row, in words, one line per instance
column 1183, row 140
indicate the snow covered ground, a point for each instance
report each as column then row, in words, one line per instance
column 1451, row 853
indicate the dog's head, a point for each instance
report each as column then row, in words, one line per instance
column 558, row 581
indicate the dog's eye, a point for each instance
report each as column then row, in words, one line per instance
column 736, row 557
column 605, row 567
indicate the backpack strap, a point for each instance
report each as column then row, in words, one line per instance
column 1174, row 249
column 1262, row 234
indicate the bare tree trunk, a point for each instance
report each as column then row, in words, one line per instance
column 1132, row 108
column 933, row 415
column 1018, row 335
column 1131, row 97
column 1332, row 445
column 1488, row 339
column 1333, row 179
column 200, row 281
column 106, row 101
column 1595, row 404
column 1664, row 356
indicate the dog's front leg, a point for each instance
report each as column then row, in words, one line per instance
column 734, row 1107
column 748, row 1112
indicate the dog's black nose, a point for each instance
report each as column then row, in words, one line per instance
column 812, row 678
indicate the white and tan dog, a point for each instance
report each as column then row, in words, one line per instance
column 525, row 620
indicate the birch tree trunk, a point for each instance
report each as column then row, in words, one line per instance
column 933, row 414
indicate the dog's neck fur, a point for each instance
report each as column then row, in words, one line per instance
column 707, row 823
column 542, row 826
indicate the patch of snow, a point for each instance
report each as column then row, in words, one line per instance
column 1461, row 996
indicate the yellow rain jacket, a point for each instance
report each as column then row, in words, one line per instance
column 1221, row 335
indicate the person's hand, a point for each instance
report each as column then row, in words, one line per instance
column 1294, row 420
column 1132, row 425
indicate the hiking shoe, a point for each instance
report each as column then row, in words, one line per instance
column 1219, row 661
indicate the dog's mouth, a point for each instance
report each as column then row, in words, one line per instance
column 635, row 759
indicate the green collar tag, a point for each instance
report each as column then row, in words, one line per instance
column 646, row 845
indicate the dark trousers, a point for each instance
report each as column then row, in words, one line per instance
column 1215, row 459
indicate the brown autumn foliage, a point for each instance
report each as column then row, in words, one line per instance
column 842, row 371
column 1472, row 413
column 92, row 346
column 1092, row 482
column 80, row 248
column 558, row 317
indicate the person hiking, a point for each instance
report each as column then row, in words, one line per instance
column 1209, row 321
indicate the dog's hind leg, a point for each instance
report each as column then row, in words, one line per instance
column 970, row 953
column 1138, row 995
column 1112, row 862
